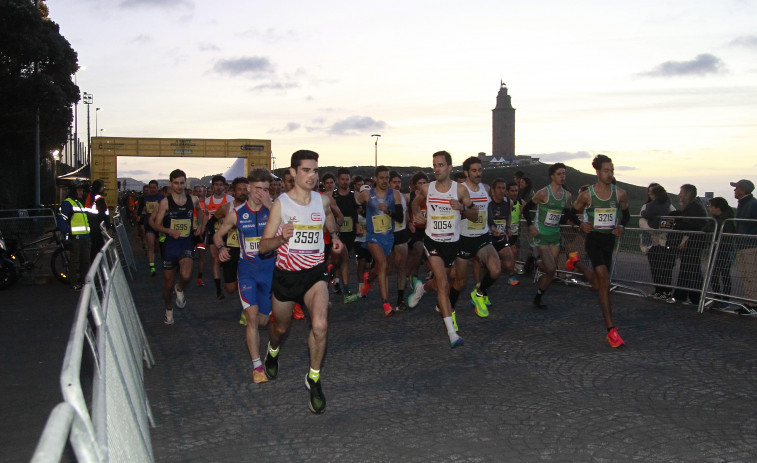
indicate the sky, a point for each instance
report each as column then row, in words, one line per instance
column 667, row 89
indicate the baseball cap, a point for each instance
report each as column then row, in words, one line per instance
column 744, row 184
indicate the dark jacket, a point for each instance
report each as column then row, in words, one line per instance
column 747, row 209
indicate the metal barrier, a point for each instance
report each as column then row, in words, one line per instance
column 118, row 427
column 732, row 279
column 124, row 246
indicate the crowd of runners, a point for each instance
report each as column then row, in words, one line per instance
column 284, row 244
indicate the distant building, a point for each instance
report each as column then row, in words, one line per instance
column 503, row 127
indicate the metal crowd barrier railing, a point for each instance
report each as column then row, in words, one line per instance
column 713, row 269
column 118, row 427
column 123, row 246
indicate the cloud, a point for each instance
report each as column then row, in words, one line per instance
column 269, row 35
column 255, row 66
column 355, row 124
column 127, row 173
column 748, row 41
column 275, row 86
column 701, row 65
column 290, row 127
column 155, row 3
column 206, row 46
column 625, row 168
column 142, row 39
column 561, row 156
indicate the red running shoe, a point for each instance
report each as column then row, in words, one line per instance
column 298, row 313
column 366, row 284
column 388, row 311
column 570, row 265
column 614, row 338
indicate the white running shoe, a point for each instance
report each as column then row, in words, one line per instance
column 416, row 295
column 181, row 301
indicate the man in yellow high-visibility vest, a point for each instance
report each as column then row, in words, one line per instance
column 74, row 225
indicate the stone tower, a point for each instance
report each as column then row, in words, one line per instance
column 503, row 126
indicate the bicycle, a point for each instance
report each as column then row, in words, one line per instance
column 27, row 256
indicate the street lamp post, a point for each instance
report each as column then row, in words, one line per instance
column 375, row 154
column 97, row 133
column 88, row 101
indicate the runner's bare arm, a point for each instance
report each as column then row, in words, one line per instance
column 201, row 219
column 330, row 224
column 416, row 205
column 470, row 211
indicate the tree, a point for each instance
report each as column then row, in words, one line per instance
column 36, row 66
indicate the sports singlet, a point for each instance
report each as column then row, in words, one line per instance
column 150, row 205
column 179, row 217
column 211, row 205
column 548, row 214
column 481, row 202
column 603, row 213
column 379, row 222
column 250, row 226
column 443, row 223
column 498, row 214
column 305, row 249
column 515, row 218
column 348, row 207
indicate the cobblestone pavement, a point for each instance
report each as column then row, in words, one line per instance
column 528, row 385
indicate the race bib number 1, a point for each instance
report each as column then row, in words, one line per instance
column 381, row 223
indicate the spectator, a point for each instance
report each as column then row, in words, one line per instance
column 690, row 245
column 653, row 243
column 721, row 268
column 746, row 259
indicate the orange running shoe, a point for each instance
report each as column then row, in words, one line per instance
column 388, row 311
column 298, row 313
column 570, row 265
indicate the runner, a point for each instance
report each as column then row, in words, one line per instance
column 212, row 203
column 295, row 228
column 476, row 241
column 401, row 237
column 199, row 241
column 515, row 214
column 255, row 270
column 174, row 218
column 345, row 201
column 148, row 204
column 550, row 202
column 445, row 202
column 601, row 227
column 240, row 191
column 382, row 209
column 416, row 254
column 362, row 255
column 500, row 213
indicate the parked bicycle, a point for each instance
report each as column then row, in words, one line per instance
column 25, row 257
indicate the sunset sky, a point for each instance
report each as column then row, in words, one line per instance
column 667, row 89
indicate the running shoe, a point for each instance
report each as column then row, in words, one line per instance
column 168, row 319
column 415, row 297
column 454, row 321
column 298, row 313
column 457, row 342
column 317, row 402
column 366, row 284
column 219, row 295
column 513, row 280
column 413, row 279
column 337, row 288
column 614, row 338
column 537, row 303
column 388, row 311
column 181, row 301
column 271, row 366
column 401, row 306
column 258, row 375
column 152, row 271
column 570, row 264
column 200, row 282
column 360, row 291
column 479, row 302
column 243, row 319
column 350, row 298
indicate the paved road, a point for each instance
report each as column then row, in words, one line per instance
column 528, row 385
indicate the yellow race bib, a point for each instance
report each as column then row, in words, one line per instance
column 184, row 226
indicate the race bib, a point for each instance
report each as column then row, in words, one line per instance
column 306, row 239
column 150, row 207
column 182, row 225
column 478, row 224
column 442, row 225
column 501, row 225
column 381, row 223
column 553, row 218
column 232, row 239
column 604, row 219
column 347, row 225
column 251, row 245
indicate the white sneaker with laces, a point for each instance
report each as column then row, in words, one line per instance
column 181, row 301
column 416, row 295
